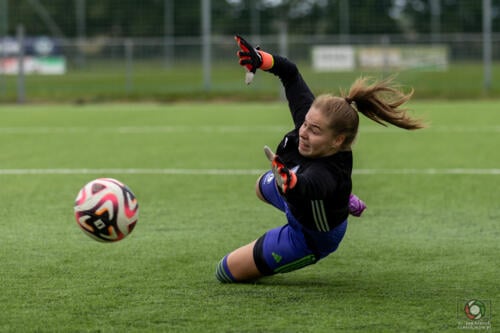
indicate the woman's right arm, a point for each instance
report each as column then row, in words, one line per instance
column 297, row 92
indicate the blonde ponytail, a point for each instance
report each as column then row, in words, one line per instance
column 381, row 101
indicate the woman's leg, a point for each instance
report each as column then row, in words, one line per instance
column 238, row 266
column 242, row 264
column 280, row 250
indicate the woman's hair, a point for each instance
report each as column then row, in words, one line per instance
column 380, row 101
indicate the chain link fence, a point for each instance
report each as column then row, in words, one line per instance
column 172, row 49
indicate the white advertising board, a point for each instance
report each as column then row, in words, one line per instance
column 333, row 58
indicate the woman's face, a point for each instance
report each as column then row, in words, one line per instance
column 316, row 139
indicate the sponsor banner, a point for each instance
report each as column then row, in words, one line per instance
column 347, row 58
column 404, row 57
column 34, row 65
column 333, row 58
column 33, row 46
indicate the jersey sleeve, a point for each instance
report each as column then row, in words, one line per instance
column 297, row 92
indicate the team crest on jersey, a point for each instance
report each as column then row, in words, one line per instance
column 269, row 178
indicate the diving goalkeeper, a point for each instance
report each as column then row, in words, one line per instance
column 310, row 176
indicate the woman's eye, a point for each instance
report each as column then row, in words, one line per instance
column 312, row 129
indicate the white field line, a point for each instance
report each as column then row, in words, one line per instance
column 224, row 129
column 232, row 172
column 141, row 129
column 223, row 172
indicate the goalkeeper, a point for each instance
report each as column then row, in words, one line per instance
column 310, row 176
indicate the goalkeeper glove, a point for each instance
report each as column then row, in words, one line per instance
column 284, row 177
column 252, row 58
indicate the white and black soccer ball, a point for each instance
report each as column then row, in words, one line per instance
column 106, row 210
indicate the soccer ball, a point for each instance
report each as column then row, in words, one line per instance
column 106, row 210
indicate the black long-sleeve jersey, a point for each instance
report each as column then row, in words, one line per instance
column 320, row 199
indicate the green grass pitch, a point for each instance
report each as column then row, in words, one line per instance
column 427, row 243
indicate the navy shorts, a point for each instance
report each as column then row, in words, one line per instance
column 290, row 247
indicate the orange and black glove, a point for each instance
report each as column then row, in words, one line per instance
column 252, row 58
column 285, row 178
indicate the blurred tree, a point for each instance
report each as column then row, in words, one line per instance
column 456, row 16
column 128, row 18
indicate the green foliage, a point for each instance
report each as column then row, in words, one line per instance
column 427, row 243
column 128, row 18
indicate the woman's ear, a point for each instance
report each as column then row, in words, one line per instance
column 338, row 141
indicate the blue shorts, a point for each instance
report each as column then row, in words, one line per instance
column 290, row 247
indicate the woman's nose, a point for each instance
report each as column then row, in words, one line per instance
column 302, row 132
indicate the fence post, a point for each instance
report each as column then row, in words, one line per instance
column 81, row 29
column 435, row 20
column 3, row 35
column 283, row 49
column 255, row 22
column 206, row 31
column 21, row 89
column 487, row 56
column 283, row 37
column 129, row 63
column 169, row 27
column 344, row 21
